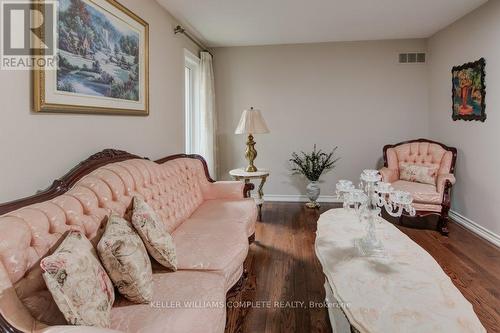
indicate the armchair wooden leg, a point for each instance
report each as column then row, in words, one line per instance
column 443, row 223
column 446, row 205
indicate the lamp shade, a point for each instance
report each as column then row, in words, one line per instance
column 252, row 122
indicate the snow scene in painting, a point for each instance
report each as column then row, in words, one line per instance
column 98, row 53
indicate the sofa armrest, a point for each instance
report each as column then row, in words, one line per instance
column 224, row 190
column 442, row 179
column 389, row 175
column 14, row 316
column 76, row 329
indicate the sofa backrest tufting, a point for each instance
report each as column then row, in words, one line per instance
column 173, row 189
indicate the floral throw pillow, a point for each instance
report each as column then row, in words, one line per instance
column 126, row 260
column 79, row 284
column 418, row 173
column 154, row 234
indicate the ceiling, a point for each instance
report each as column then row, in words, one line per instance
column 263, row 22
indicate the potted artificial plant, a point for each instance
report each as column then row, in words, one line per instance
column 312, row 166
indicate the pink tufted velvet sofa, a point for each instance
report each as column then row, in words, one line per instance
column 428, row 199
column 211, row 224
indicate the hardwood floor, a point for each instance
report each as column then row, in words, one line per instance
column 284, row 291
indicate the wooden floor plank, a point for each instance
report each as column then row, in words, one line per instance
column 283, row 267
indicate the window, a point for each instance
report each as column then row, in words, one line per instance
column 191, row 102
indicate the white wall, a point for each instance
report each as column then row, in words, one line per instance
column 37, row 148
column 352, row 95
column 475, row 195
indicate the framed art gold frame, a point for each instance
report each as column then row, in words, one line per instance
column 46, row 94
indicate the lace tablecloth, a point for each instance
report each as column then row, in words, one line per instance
column 405, row 292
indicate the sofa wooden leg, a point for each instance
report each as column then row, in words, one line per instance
column 251, row 239
column 235, row 315
column 238, row 286
column 443, row 224
column 234, row 321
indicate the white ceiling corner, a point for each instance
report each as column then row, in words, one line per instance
column 264, row 22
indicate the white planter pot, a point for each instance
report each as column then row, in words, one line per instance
column 313, row 192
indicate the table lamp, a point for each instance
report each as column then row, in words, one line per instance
column 251, row 123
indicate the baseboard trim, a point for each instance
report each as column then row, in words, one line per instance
column 298, row 198
column 481, row 231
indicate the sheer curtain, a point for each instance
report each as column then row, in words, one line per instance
column 208, row 145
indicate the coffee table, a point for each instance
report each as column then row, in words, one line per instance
column 407, row 291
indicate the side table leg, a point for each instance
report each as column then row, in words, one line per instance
column 261, row 195
column 247, row 181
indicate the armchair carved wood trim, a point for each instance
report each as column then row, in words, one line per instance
column 434, row 200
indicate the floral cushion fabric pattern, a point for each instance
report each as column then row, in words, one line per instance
column 126, row 260
column 418, row 173
column 79, row 284
column 154, row 233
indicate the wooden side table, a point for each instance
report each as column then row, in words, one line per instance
column 262, row 174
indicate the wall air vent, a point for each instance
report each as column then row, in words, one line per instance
column 412, row 58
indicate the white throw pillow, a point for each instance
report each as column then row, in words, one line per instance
column 126, row 260
column 418, row 173
column 79, row 284
column 154, row 234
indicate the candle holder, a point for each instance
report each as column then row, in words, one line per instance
column 367, row 201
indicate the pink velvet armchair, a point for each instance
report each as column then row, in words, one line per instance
column 429, row 198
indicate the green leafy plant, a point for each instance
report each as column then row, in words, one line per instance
column 314, row 164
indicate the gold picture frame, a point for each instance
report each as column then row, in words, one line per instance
column 47, row 93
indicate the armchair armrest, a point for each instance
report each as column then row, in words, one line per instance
column 224, row 190
column 442, row 179
column 389, row 175
column 76, row 329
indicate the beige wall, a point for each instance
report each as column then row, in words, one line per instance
column 475, row 196
column 37, row 148
column 351, row 95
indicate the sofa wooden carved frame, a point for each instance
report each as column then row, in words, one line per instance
column 446, row 203
column 65, row 183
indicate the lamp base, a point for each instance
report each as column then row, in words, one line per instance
column 251, row 168
column 251, row 154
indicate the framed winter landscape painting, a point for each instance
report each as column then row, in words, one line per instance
column 102, row 61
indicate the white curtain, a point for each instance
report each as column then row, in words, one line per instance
column 208, row 145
